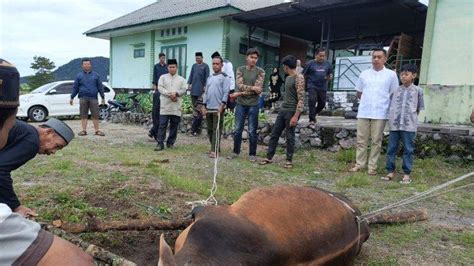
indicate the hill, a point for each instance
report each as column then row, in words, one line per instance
column 69, row 71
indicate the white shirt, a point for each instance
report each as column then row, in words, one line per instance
column 5, row 211
column 376, row 88
column 228, row 69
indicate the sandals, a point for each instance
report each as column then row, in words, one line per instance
column 82, row 133
column 99, row 133
column 212, row 155
column 265, row 162
column 406, row 180
column 388, row 177
column 288, row 165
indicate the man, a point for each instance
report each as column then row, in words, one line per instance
column 290, row 111
column 172, row 88
column 249, row 81
column 214, row 100
column 159, row 69
column 23, row 242
column 197, row 81
column 228, row 69
column 374, row 89
column 87, row 84
column 318, row 72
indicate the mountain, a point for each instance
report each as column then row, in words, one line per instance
column 69, row 71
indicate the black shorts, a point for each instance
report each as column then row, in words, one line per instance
column 86, row 105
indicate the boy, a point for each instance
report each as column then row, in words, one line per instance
column 405, row 105
column 214, row 101
column 289, row 113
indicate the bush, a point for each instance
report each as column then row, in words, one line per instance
column 187, row 105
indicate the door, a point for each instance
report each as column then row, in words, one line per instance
column 177, row 52
column 58, row 99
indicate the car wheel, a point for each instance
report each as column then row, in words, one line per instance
column 37, row 114
column 103, row 113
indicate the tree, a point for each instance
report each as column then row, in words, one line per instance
column 43, row 75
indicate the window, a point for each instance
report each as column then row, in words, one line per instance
column 137, row 53
column 162, row 33
column 167, row 32
column 185, row 29
column 64, row 89
column 173, row 31
column 179, row 30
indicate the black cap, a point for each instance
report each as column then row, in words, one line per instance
column 172, row 62
column 198, row 54
column 215, row 54
column 9, row 85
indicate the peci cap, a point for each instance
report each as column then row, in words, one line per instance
column 215, row 54
column 198, row 54
column 172, row 62
column 61, row 128
column 9, row 85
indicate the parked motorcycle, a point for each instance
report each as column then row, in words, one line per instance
column 121, row 106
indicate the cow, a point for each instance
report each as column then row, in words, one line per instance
column 283, row 225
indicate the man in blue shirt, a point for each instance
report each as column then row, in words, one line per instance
column 159, row 69
column 197, row 82
column 87, row 84
column 318, row 72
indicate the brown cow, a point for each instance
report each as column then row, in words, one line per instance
column 272, row 226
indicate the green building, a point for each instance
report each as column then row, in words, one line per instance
column 179, row 28
column 447, row 70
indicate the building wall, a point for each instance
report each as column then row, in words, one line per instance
column 447, row 70
column 127, row 71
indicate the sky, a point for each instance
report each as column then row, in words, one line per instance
column 54, row 28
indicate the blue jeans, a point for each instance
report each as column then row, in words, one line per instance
column 408, row 140
column 241, row 113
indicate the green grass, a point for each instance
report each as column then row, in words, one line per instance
column 114, row 177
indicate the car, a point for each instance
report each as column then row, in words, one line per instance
column 52, row 99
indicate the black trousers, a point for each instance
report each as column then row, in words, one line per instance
column 197, row 115
column 155, row 114
column 316, row 101
column 173, row 121
column 281, row 123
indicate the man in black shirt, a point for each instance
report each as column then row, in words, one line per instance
column 159, row 69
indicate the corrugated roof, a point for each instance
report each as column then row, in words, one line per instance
column 164, row 9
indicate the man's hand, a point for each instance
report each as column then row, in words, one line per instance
column 329, row 77
column 189, row 86
column 204, row 111
column 25, row 211
column 173, row 96
column 71, row 102
column 294, row 121
column 221, row 108
column 103, row 102
column 257, row 90
column 235, row 95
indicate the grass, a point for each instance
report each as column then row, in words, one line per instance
column 120, row 177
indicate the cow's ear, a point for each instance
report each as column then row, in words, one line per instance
column 166, row 255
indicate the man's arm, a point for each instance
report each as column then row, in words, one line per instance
column 7, row 194
column 191, row 75
column 100, row 87
column 300, row 92
column 161, row 86
column 75, row 87
column 206, row 75
column 182, row 89
column 154, row 80
column 329, row 76
column 243, row 89
column 359, row 87
column 258, row 88
column 227, row 82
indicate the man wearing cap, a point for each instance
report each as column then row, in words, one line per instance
column 197, row 82
column 172, row 88
column 87, row 85
column 227, row 69
column 23, row 242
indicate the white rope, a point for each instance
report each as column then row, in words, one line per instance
column 415, row 198
column 211, row 200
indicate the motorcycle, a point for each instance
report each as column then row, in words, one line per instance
column 121, row 106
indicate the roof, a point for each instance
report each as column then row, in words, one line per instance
column 363, row 20
column 165, row 9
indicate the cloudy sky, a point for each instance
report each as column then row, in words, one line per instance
column 53, row 28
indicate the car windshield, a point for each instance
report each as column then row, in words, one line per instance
column 44, row 88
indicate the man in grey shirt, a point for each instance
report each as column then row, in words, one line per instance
column 214, row 99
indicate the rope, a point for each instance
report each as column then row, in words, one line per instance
column 414, row 198
column 211, row 200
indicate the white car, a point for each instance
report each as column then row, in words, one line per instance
column 52, row 99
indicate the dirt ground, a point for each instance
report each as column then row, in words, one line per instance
column 120, row 177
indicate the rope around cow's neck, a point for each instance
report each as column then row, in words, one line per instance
column 211, row 200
